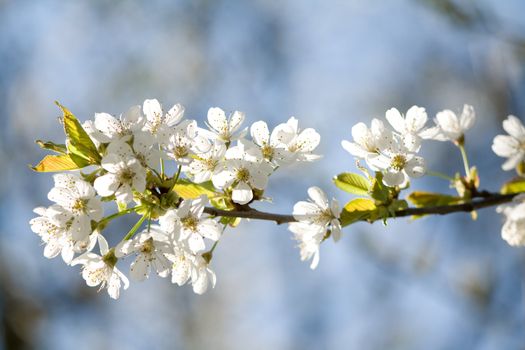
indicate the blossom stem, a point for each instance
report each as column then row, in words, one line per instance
column 107, row 219
column 135, row 228
column 178, row 174
column 440, row 175
column 465, row 159
column 161, row 166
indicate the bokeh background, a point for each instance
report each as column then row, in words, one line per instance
column 436, row 283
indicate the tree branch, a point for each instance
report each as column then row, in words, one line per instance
column 250, row 214
column 488, row 200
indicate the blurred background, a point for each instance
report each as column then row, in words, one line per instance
column 435, row 283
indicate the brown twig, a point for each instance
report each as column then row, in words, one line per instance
column 487, row 200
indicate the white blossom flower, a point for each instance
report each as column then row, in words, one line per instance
column 244, row 170
column 272, row 147
column 410, row 127
column 511, row 146
column 112, row 128
column 450, row 127
column 222, row 128
column 319, row 211
column 101, row 269
column 56, row 231
column 398, row 164
column 159, row 123
column 314, row 218
column 190, row 267
column 186, row 223
column 186, row 141
column 513, row 230
column 151, row 247
column 123, row 175
column 300, row 143
column 206, row 164
column 77, row 198
column 367, row 141
column 309, row 237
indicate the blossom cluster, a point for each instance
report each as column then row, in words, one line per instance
column 180, row 237
column 390, row 151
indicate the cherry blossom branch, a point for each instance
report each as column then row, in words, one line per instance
column 487, row 199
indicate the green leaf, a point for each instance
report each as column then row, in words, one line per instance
column 222, row 202
column 189, row 190
column 514, row 186
column 78, row 141
column 397, row 205
column 352, row 183
column 61, row 149
column 379, row 191
column 430, row 199
column 233, row 222
column 122, row 206
column 356, row 210
column 52, row 163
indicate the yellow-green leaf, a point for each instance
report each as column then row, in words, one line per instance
column 189, row 190
column 357, row 209
column 352, row 183
column 61, row 149
column 52, row 163
column 514, row 186
column 379, row 191
column 79, row 143
column 430, row 199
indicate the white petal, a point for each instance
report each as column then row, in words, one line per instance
column 354, row 149
column 223, row 178
column 514, row 128
column 468, row 117
column 416, row 118
column 61, row 196
column 318, row 196
column 152, row 109
column 210, row 229
column 396, row 120
column 174, row 115
column 236, row 119
column 505, row 146
column 242, row 193
column 260, row 133
column 196, row 243
column 140, row 268
column 107, row 124
column 106, row 185
column 217, row 119
column 416, row 167
column 392, row 179
column 112, row 162
column 307, row 140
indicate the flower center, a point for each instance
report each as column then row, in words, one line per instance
column 324, row 217
column 398, row 162
column 80, row 205
column 127, row 175
column 210, row 163
column 147, row 247
column 180, row 151
column 243, row 175
column 190, row 223
column 267, row 152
